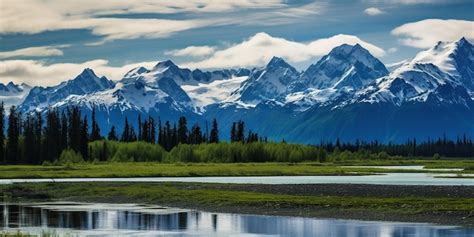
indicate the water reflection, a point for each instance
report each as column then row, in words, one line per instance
column 127, row 219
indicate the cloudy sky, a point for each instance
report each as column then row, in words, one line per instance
column 43, row 42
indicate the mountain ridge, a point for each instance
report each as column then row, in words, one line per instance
column 330, row 94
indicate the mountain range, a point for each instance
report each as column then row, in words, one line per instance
column 348, row 94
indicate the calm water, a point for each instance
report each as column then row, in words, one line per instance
column 141, row 220
column 383, row 179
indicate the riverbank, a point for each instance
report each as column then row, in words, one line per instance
column 156, row 169
column 431, row 204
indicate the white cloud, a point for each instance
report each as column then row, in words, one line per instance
column 373, row 11
column 35, row 72
column 392, row 50
column 426, row 33
column 260, row 48
column 193, row 51
column 35, row 16
column 43, row 51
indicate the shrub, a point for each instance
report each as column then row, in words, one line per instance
column 69, row 156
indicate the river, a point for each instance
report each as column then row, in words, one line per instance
column 85, row 219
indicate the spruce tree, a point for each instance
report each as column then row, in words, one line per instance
column 182, row 130
column 167, row 136
column 240, row 131
column 160, row 134
column 233, row 131
column 152, row 130
column 140, row 135
column 126, row 132
column 84, row 139
column 112, row 136
column 38, row 133
column 214, row 136
column 29, row 140
column 63, row 143
column 95, row 133
column 13, row 132
column 52, row 136
column 75, row 127
column 196, row 135
column 133, row 135
column 174, row 136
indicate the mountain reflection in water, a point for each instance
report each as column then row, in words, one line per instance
column 128, row 219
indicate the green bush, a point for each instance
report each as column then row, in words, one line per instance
column 122, row 152
column 215, row 152
column 70, row 156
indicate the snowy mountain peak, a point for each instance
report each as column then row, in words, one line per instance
column 85, row 83
column 88, row 81
column 453, row 58
column 12, row 88
column 268, row 83
column 86, row 75
column 136, row 72
column 164, row 65
column 345, row 66
column 278, row 63
column 13, row 94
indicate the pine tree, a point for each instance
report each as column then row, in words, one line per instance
column 112, row 136
column 240, row 131
column 126, row 132
column 133, row 135
column 38, row 133
column 168, row 136
column 84, row 139
column 174, row 136
column 214, row 136
column 13, row 132
column 161, row 138
column 233, row 135
column 29, row 140
column 182, row 130
column 140, row 135
column 75, row 127
column 64, row 132
column 152, row 130
column 196, row 136
column 95, row 133
column 2, row 133
column 52, row 136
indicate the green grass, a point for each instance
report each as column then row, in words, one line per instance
column 182, row 195
column 156, row 169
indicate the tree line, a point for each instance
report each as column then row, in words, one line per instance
column 34, row 139
column 463, row 146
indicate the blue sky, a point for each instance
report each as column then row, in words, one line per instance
column 45, row 42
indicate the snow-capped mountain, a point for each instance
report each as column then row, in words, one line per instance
column 392, row 66
column 40, row 98
column 347, row 94
column 182, row 76
column 268, row 83
column 446, row 63
column 156, row 92
column 13, row 94
column 345, row 66
column 335, row 77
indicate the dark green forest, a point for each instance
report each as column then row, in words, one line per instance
column 38, row 138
